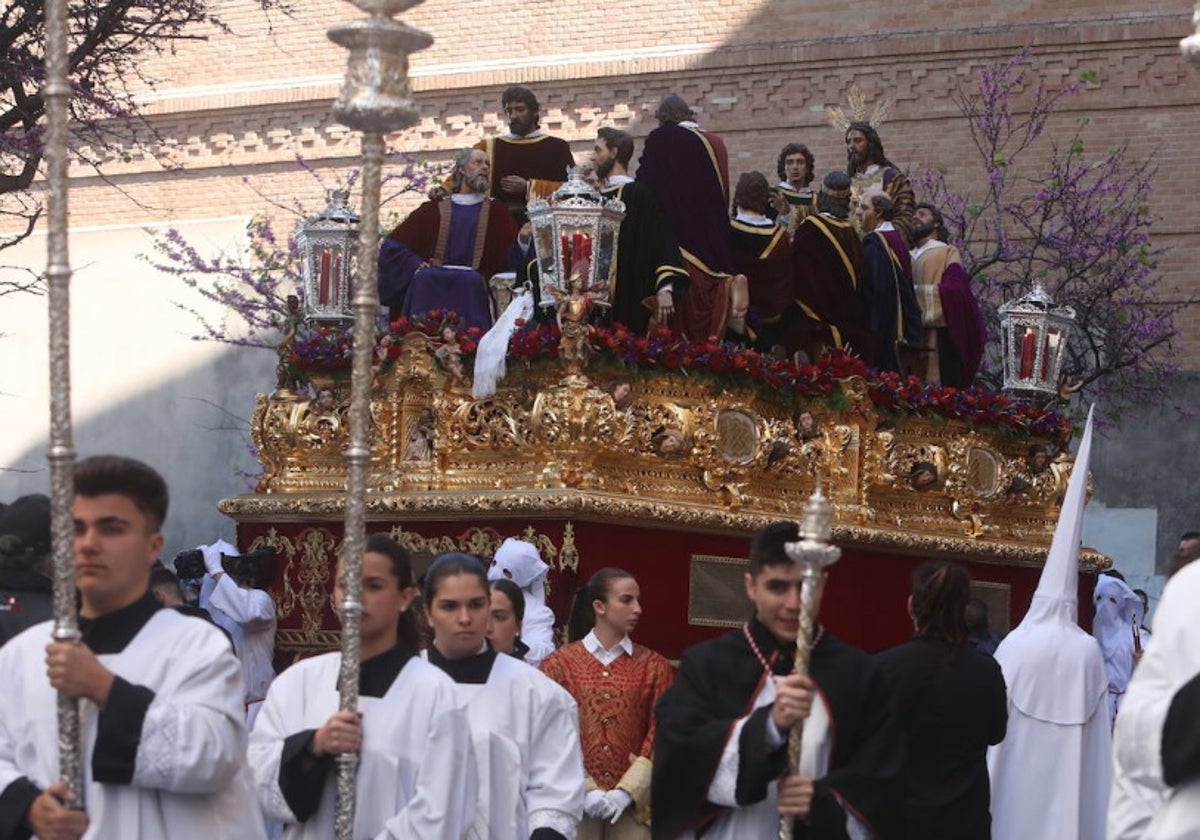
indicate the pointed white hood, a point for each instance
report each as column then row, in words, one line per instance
column 1054, row 670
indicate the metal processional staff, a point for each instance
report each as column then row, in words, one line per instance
column 57, row 96
column 374, row 100
column 815, row 554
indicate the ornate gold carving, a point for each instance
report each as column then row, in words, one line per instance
column 674, row 450
column 307, row 577
column 568, row 559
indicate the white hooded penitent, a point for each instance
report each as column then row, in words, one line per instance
column 1050, row 776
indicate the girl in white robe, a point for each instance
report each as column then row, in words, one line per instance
column 524, row 726
column 415, row 775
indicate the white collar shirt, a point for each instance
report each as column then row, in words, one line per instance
column 607, row 656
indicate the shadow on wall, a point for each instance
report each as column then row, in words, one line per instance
column 193, row 428
column 1139, row 466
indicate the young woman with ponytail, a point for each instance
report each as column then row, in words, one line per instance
column 616, row 684
column 411, row 732
column 953, row 704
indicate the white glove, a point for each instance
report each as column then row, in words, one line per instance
column 618, row 801
column 595, row 805
column 212, row 555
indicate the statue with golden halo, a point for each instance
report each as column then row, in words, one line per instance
column 866, row 164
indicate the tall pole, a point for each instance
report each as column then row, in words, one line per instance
column 815, row 554
column 57, row 96
column 374, row 100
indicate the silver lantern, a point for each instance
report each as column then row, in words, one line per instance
column 328, row 245
column 575, row 235
column 1035, row 331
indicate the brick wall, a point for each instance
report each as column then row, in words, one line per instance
column 243, row 105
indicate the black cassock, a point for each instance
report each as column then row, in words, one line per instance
column 647, row 256
column 716, row 685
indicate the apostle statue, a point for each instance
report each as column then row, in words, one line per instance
column 688, row 169
column 953, row 333
column 441, row 256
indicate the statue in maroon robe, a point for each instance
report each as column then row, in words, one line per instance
column 688, row 169
column 525, row 162
column 763, row 251
column 826, row 265
column 443, row 254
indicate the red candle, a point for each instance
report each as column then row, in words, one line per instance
column 587, row 247
column 1027, row 354
column 577, row 246
column 323, row 287
column 566, row 253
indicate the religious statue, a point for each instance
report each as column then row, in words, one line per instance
column 574, row 349
column 420, row 441
column 622, row 394
column 449, row 355
column 924, row 476
column 670, row 443
column 807, row 426
column 291, row 325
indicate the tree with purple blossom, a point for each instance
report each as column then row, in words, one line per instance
column 110, row 41
column 251, row 287
column 1080, row 224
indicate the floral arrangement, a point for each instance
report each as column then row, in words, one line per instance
column 328, row 349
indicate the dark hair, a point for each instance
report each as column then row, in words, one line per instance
column 448, row 565
column 673, row 109
column 874, row 146
column 1113, row 573
column 834, row 196
column 883, row 205
column 408, row 628
column 163, row 578
column 514, row 594
column 939, row 599
column 1189, row 535
column 752, row 192
column 25, row 533
column 939, row 223
column 102, row 475
column 597, row 588
column 766, row 549
column 1181, row 559
column 401, row 562
column 796, row 149
column 520, row 93
column 622, row 141
column 1141, row 593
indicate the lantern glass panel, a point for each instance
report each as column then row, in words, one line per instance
column 606, row 257
column 545, row 249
